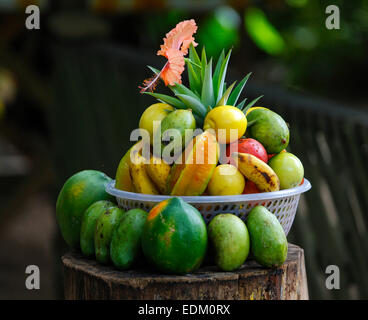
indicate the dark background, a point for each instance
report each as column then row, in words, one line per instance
column 69, row 99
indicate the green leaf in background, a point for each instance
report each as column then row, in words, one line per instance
column 220, row 30
column 233, row 99
column 262, row 32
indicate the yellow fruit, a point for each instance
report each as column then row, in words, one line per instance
column 158, row 170
column 254, row 108
column 257, row 171
column 226, row 180
column 226, row 118
column 123, row 180
column 141, row 181
column 190, row 178
column 155, row 112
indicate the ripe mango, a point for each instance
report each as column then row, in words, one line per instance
column 191, row 177
column 125, row 248
column 229, row 241
column 267, row 237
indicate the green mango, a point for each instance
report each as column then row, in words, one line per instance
column 105, row 227
column 267, row 237
column 89, row 220
column 78, row 193
column 269, row 129
column 229, row 241
column 180, row 120
column 125, row 248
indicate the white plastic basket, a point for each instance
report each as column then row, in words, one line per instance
column 281, row 203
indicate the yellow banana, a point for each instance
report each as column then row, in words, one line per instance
column 141, row 181
column 158, row 171
column 257, row 171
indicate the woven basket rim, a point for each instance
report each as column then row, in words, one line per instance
column 264, row 196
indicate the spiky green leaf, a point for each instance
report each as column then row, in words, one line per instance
column 182, row 89
column 251, row 104
column 193, row 63
column 168, row 99
column 241, row 104
column 192, row 103
column 217, row 73
column 222, row 75
column 194, row 79
column 233, row 99
column 225, row 97
column 193, row 55
column 154, row 70
column 207, row 96
column 203, row 63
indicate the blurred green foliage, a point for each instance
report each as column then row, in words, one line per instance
column 220, row 30
column 286, row 33
column 262, row 32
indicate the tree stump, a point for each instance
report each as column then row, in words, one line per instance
column 86, row 279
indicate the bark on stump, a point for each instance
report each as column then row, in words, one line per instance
column 86, row 279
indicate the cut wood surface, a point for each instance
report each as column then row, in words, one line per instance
column 86, row 279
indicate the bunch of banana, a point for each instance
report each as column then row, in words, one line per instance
column 158, row 170
column 257, row 171
column 148, row 178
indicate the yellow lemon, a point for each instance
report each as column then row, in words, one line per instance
column 155, row 112
column 254, row 108
column 228, row 122
column 226, row 180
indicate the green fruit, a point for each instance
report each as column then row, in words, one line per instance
column 105, row 227
column 174, row 237
column 288, row 168
column 229, row 239
column 267, row 237
column 180, row 120
column 89, row 220
column 125, row 248
column 78, row 193
column 269, row 129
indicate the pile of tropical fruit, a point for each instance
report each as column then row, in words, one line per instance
column 203, row 140
column 200, row 141
column 172, row 237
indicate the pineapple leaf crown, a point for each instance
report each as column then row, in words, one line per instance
column 207, row 89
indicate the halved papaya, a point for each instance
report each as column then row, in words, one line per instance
column 199, row 160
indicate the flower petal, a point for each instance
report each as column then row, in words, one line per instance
column 180, row 37
column 171, row 74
